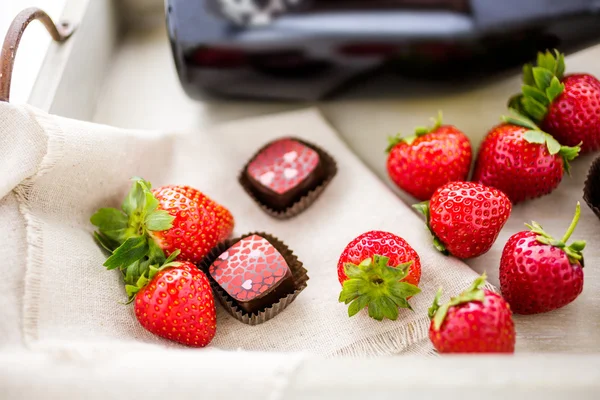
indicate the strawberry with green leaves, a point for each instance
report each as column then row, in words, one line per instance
column 163, row 220
column 380, row 271
column 539, row 273
column 465, row 218
column 177, row 303
column 429, row 158
column 476, row 321
column 565, row 106
column 172, row 299
column 521, row 160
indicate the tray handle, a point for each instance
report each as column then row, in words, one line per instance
column 59, row 33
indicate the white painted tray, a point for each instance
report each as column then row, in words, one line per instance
column 129, row 80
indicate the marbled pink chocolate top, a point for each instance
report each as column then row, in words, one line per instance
column 249, row 268
column 283, row 165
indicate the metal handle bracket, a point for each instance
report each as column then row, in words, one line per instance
column 59, row 33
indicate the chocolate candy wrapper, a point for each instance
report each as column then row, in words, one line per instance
column 299, row 276
column 591, row 188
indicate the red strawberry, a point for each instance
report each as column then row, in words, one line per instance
column 567, row 107
column 521, row 160
column 177, row 304
column 476, row 321
column 540, row 274
column 199, row 223
column 380, row 271
column 431, row 157
column 160, row 221
column 465, row 217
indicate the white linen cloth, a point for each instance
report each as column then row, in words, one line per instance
column 56, row 172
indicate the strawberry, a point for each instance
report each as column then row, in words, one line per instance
column 566, row 106
column 465, row 217
column 381, row 271
column 157, row 222
column 540, row 274
column 199, row 223
column 429, row 158
column 177, row 303
column 521, row 160
column 476, row 321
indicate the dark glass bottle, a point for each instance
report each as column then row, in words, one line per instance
column 306, row 49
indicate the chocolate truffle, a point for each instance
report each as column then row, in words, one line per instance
column 283, row 172
column 253, row 273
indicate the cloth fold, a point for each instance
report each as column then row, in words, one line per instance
column 70, row 297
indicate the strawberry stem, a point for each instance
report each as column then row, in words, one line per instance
column 573, row 224
column 473, row 293
column 575, row 251
column 419, row 131
column 423, row 208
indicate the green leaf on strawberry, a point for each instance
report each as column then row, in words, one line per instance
column 111, row 222
column 474, row 293
column 542, row 77
column 106, row 243
column 528, row 75
column 419, row 131
column 536, row 135
column 159, row 220
column 132, row 250
column 155, row 253
column 140, row 272
column 423, row 208
column 541, row 85
column 136, row 198
column 124, row 232
column 377, row 286
column 555, row 89
column 536, row 94
column 134, row 270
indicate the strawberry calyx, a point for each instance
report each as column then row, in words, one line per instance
column 541, row 85
column 535, row 135
column 419, row 131
column 126, row 234
column 140, row 273
column 423, row 208
column 575, row 251
column 474, row 293
column 375, row 285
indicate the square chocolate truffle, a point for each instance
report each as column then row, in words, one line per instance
column 283, row 172
column 253, row 273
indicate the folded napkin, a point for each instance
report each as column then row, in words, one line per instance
column 55, row 172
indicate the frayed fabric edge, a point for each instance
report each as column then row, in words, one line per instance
column 395, row 341
column 34, row 228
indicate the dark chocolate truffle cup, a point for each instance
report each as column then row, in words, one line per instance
column 303, row 202
column 299, row 275
column 591, row 188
